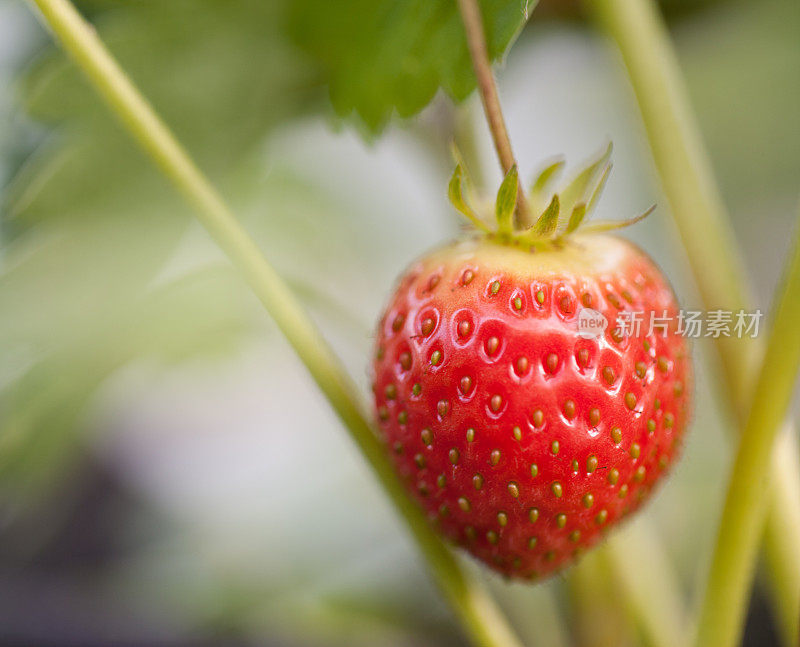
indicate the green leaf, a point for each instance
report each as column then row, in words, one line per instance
column 90, row 227
column 575, row 190
column 507, row 201
column 194, row 62
column 380, row 57
column 455, row 194
column 200, row 314
column 548, row 221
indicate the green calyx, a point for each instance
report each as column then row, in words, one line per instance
column 558, row 214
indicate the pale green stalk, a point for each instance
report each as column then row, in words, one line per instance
column 723, row 609
column 479, row 615
column 698, row 211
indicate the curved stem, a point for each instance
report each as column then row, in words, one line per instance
column 698, row 211
column 487, row 88
column 723, row 610
column 480, row 617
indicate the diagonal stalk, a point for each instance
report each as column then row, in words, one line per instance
column 478, row 613
column 697, row 208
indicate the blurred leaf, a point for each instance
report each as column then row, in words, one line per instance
column 91, row 224
column 672, row 9
column 203, row 313
column 385, row 56
column 194, row 62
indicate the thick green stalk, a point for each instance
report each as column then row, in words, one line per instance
column 478, row 613
column 697, row 208
column 733, row 565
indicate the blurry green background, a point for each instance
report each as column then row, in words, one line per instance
column 169, row 475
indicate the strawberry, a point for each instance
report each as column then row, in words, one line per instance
column 523, row 440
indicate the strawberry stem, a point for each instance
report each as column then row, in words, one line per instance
column 479, row 615
column 487, row 88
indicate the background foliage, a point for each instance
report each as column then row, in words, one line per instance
column 140, row 383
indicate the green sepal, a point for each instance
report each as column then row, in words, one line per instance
column 576, row 217
column 456, row 196
column 458, row 160
column 578, row 199
column 548, row 222
column 575, row 191
column 546, row 175
column 598, row 189
column 506, row 201
column 540, row 192
column 599, row 227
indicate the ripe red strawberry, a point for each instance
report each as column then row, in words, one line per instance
column 524, row 441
